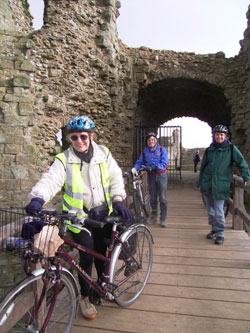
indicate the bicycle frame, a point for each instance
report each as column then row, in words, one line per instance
column 63, row 254
column 115, row 239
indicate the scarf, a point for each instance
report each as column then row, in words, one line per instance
column 85, row 157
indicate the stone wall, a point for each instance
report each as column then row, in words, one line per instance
column 76, row 65
column 15, row 16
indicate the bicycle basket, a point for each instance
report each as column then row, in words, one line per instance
column 18, row 231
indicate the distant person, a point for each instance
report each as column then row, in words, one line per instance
column 196, row 160
column 155, row 158
column 215, row 179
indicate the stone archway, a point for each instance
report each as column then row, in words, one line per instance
column 177, row 97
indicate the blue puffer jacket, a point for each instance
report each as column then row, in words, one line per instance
column 157, row 157
column 216, row 170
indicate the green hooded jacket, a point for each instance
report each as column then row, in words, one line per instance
column 216, row 170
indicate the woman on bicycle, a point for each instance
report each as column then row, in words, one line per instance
column 93, row 186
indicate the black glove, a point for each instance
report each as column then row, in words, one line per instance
column 35, row 205
column 120, row 209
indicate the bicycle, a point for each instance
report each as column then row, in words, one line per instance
column 47, row 298
column 141, row 198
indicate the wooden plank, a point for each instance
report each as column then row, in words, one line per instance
column 198, row 293
column 204, row 253
column 200, row 281
column 212, row 262
column 194, row 286
column 202, row 271
column 131, row 320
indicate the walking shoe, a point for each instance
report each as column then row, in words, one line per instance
column 211, row 235
column 88, row 310
column 163, row 224
column 219, row 240
column 152, row 220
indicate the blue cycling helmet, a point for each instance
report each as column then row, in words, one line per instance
column 80, row 123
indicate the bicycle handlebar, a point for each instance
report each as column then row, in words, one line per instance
column 93, row 223
column 81, row 222
column 135, row 173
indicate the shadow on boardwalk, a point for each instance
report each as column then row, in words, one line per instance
column 195, row 285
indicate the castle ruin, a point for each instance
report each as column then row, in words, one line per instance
column 75, row 64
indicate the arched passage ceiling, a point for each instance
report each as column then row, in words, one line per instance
column 171, row 98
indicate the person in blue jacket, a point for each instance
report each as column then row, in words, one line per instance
column 155, row 158
column 215, row 179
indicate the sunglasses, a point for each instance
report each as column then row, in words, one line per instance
column 83, row 137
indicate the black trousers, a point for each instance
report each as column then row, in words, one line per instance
column 97, row 242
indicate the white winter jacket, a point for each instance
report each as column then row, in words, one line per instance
column 52, row 181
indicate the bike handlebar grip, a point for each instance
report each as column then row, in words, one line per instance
column 93, row 223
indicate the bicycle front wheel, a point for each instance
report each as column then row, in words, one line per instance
column 18, row 309
column 130, row 269
column 141, row 201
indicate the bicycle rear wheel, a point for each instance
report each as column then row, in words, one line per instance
column 129, row 272
column 17, row 308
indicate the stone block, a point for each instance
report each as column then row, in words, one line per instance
column 12, row 149
column 18, row 91
column 27, row 184
column 20, row 171
column 5, row 196
column 28, row 149
column 9, row 185
column 7, row 64
column 140, row 77
column 21, row 81
column 11, row 98
column 27, row 65
column 5, row 83
column 25, row 109
column 26, row 158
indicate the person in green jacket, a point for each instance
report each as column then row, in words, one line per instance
column 215, row 179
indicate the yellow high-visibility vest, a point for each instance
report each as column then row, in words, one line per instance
column 73, row 188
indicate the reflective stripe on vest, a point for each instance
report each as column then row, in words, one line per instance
column 106, row 179
column 73, row 188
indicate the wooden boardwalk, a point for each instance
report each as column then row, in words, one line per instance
column 194, row 286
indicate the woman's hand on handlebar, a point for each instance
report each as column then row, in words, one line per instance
column 34, row 206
